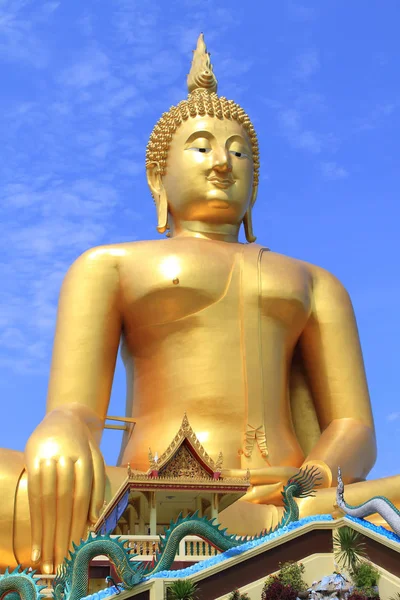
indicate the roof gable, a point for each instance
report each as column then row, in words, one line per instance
column 185, row 456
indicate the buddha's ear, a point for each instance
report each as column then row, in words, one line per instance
column 156, row 186
column 248, row 217
column 154, row 179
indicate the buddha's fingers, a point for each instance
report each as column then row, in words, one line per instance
column 82, row 494
column 48, row 473
column 65, row 490
column 264, row 494
column 35, row 509
column 263, row 476
column 272, row 475
column 97, row 499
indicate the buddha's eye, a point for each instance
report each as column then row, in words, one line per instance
column 238, row 154
column 200, row 149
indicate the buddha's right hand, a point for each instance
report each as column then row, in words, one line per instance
column 66, row 478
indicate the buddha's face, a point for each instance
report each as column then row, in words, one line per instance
column 209, row 172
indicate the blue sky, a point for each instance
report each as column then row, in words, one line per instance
column 83, row 83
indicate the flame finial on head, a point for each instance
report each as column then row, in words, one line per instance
column 201, row 72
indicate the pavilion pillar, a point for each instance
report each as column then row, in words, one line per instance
column 199, row 506
column 142, row 522
column 214, row 506
column 153, row 514
column 132, row 519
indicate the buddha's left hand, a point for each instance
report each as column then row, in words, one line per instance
column 267, row 483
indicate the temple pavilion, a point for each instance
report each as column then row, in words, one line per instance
column 184, row 479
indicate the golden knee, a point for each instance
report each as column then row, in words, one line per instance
column 11, row 468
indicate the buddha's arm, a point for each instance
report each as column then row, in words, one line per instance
column 87, row 338
column 64, row 465
column 333, row 360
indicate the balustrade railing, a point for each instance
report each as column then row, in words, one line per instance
column 191, row 548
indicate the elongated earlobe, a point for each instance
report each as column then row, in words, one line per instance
column 162, row 211
column 248, row 218
column 159, row 195
column 248, row 226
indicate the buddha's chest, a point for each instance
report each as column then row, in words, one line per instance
column 175, row 281
column 178, row 280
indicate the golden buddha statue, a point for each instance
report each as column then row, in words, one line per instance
column 260, row 350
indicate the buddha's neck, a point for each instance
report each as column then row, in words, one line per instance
column 208, row 231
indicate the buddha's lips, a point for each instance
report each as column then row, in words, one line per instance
column 223, row 183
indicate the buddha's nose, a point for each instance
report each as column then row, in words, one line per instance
column 222, row 161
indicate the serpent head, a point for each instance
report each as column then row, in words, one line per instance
column 340, row 486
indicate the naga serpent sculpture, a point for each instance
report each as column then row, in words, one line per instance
column 377, row 504
column 71, row 582
column 20, row 584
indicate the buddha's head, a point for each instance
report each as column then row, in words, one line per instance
column 202, row 158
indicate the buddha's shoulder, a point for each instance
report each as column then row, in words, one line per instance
column 112, row 255
column 316, row 273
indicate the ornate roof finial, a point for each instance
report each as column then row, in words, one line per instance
column 220, row 460
column 185, row 423
column 152, row 461
column 201, row 73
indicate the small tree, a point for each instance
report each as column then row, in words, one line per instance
column 291, row 573
column 348, row 547
column 182, row 589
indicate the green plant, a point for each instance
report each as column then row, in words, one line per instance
column 237, row 595
column 291, row 573
column 365, row 576
column 182, row 589
column 348, row 547
column 287, row 581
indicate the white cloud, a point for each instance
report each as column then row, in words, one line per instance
column 306, row 64
column 19, row 41
column 93, row 68
column 377, row 116
column 394, row 416
column 297, row 135
column 57, row 221
column 50, row 7
column 332, row 171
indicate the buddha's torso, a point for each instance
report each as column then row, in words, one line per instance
column 209, row 329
